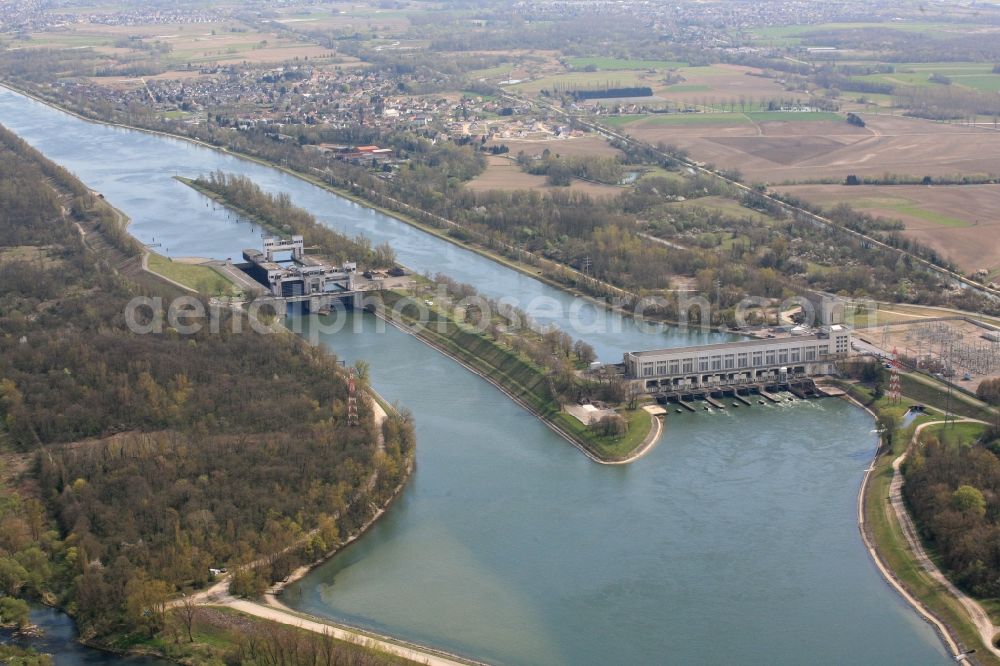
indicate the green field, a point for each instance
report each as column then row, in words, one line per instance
column 793, row 116
column 679, row 119
column 905, row 206
column 623, row 63
column 203, row 279
column 720, row 118
column 65, row 40
column 500, row 71
column 584, row 80
column 724, row 206
column 687, row 88
column 930, row 216
column 987, row 83
column 904, row 79
column 621, row 121
column 977, row 76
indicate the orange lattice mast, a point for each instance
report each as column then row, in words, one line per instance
column 895, row 394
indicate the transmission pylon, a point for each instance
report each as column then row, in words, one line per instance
column 895, row 394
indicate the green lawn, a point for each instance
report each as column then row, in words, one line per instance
column 905, row 206
column 203, row 279
column 623, row 63
column 987, row 83
column 689, row 119
column 687, row 88
column 794, row 116
column 931, row 216
column 639, row 423
column 720, row 118
column 500, row 71
column 954, row 433
column 621, row 121
column 977, row 76
column 926, row 390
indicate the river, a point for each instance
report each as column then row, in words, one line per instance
column 59, row 640
column 733, row 541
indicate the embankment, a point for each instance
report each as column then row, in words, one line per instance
column 520, row 380
column 880, row 526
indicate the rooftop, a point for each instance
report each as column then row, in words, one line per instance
column 752, row 342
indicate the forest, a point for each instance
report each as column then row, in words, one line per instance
column 132, row 464
column 953, row 491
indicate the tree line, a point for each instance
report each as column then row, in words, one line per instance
column 276, row 212
column 953, row 490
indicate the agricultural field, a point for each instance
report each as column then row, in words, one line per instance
column 623, row 63
column 590, row 144
column 714, row 87
column 346, row 17
column 960, row 221
column 797, row 152
column 503, row 173
column 584, row 80
column 975, row 76
column 639, row 122
column 215, row 43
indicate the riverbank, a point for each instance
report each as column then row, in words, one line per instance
column 881, row 525
column 521, row 382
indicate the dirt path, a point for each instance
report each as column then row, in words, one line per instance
column 980, row 618
column 276, row 612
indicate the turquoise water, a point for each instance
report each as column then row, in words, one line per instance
column 733, row 541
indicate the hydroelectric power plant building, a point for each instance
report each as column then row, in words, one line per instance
column 300, row 278
column 759, row 361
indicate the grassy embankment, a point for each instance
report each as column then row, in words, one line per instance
column 880, row 521
column 521, row 380
column 203, row 279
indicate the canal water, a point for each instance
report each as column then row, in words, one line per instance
column 733, row 541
